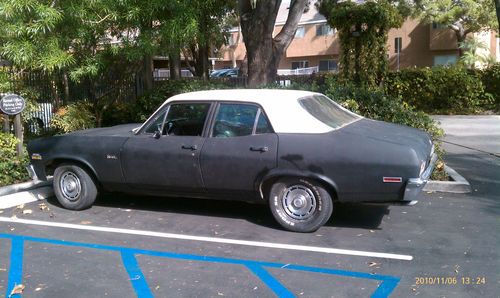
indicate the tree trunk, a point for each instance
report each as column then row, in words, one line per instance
column 257, row 25
column 461, row 34
column 174, row 64
column 147, row 73
column 233, row 47
column 203, row 60
column 497, row 5
column 66, row 98
column 6, row 123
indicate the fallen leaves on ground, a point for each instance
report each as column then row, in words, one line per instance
column 85, row 222
column 27, row 211
column 43, row 207
column 17, row 290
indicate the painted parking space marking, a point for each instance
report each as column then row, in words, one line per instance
column 327, row 250
column 142, row 289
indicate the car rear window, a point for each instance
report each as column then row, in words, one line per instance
column 327, row 111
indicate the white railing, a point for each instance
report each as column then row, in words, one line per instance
column 163, row 74
column 298, row 71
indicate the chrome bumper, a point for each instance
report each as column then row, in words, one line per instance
column 415, row 185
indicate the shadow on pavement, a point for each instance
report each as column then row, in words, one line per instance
column 364, row 216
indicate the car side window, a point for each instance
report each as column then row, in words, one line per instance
column 186, row 119
column 234, row 120
column 156, row 124
column 263, row 125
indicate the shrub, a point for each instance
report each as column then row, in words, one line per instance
column 491, row 80
column 439, row 90
column 374, row 104
column 73, row 117
column 145, row 105
column 12, row 168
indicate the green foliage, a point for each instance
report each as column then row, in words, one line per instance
column 12, row 168
column 375, row 104
column 74, row 117
column 27, row 29
column 363, row 30
column 491, row 80
column 470, row 55
column 144, row 106
column 466, row 15
column 439, row 90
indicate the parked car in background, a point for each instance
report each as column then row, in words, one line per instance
column 225, row 73
column 297, row 151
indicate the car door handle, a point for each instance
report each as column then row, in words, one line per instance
column 190, row 147
column 259, row 149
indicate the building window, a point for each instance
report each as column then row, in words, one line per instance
column 301, row 30
column 445, row 60
column 323, row 30
column 327, row 65
column 398, row 44
column 300, row 64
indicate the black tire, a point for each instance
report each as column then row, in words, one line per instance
column 74, row 188
column 300, row 205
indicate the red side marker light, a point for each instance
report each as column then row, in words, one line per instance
column 392, row 179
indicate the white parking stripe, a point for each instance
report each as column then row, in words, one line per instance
column 327, row 250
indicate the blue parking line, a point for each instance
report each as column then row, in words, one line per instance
column 270, row 281
column 16, row 264
column 134, row 272
column 140, row 285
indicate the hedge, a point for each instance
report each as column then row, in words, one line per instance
column 440, row 90
column 12, row 168
column 491, row 81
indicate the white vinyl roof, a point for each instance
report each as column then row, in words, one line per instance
column 281, row 106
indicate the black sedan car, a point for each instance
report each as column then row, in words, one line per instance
column 297, row 151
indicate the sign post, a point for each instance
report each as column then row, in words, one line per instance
column 13, row 105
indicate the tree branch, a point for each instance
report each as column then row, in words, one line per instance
column 285, row 36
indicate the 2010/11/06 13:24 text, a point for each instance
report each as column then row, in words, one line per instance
column 450, row 280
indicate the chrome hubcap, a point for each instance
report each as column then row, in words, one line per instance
column 299, row 202
column 70, row 186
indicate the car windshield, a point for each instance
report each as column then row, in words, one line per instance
column 327, row 111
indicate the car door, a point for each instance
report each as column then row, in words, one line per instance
column 164, row 155
column 240, row 149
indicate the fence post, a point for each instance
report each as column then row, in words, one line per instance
column 18, row 131
column 6, row 123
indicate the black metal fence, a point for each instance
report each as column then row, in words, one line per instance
column 50, row 91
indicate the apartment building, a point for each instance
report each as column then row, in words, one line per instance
column 316, row 46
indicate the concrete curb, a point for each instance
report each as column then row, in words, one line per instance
column 24, row 197
column 458, row 185
column 14, row 188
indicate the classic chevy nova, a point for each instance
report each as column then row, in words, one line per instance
column 297, row 151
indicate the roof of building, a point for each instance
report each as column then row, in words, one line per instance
column 281, row 106
column 311, row 16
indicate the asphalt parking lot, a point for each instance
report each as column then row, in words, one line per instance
column 445, row 246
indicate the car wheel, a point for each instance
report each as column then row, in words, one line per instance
column 74, row 187
column 300, row 205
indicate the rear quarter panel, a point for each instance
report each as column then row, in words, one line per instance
column 355, row 164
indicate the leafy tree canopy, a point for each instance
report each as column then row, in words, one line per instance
column 363, row 30
column 462, row 16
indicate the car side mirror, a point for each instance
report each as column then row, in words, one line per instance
column 157, row 134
